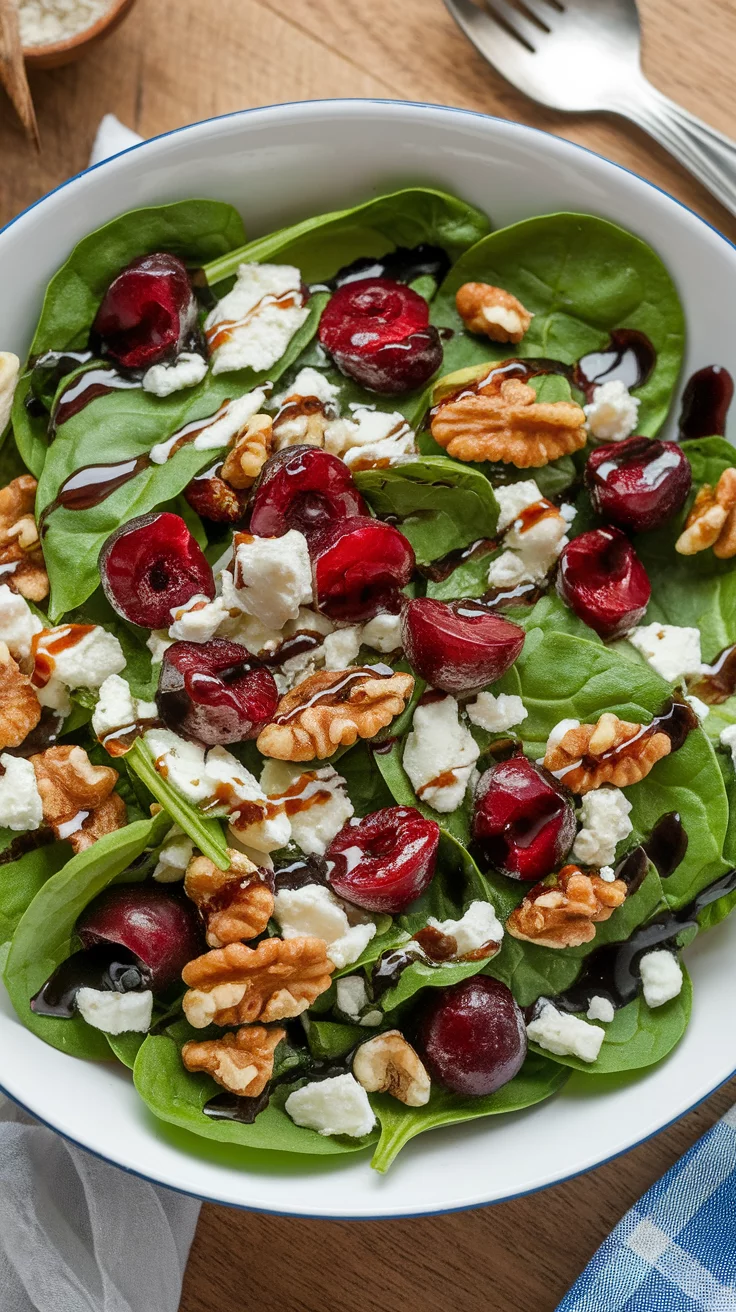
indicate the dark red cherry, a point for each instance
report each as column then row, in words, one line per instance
column 472, row 1036
column 359, row 566
column 603, row 581
column 160, row 927
column 151, row 564
column 214, row 499
column 523, row 819
column 638, row 484
column 378, row 333
column 215, row 692
column 458, row 646
column 385, row 861
column 147, row 313
column 304, row 488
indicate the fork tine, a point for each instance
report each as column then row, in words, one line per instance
column 490, row 39
column 515, row 22
column 541, row 10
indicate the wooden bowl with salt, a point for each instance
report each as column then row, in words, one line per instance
column 73, row 47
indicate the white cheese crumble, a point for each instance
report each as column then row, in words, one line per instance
column 565, row 1035
column 439, row 755
column 18, row 624
column 607, row 874
column 352, row 995
column 316, row 801
column 700, row 708
column 309, row 382
column 21, row 808
column 496, row 713
column 661, row 976
column 670, row 650
column 174, row 857
column 118, row 709
column 197, row 620
column 164, row 379
column 336, row 1106
column 180, row 762
column 271, row 579
column 613, row 412
column 9, row 371
column 216, row 430
column 531, row 550
column 514, row 498
column 477, row 926
column 116, row 1013
column 507, row 571
column 157, row 642
column 314, row 910
column 83, row 664
column 601, row 1009
column 342, row 647
column 256, row 321
column 383, row 633
column 604, row 817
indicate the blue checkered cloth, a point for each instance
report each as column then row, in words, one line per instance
column 676, row 1250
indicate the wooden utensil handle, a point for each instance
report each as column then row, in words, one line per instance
column 13, row 69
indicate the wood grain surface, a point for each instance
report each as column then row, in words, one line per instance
column 175, row 61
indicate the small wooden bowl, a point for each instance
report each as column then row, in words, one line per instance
column 65, row 52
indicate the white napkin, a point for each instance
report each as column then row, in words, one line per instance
column 112, row 137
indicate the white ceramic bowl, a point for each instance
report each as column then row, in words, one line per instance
column 277, row 165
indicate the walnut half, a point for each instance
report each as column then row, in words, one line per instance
column 565, row 914
column 492, row 311
column 612, row 751
column 235, row 904
column 241, row 1062
column 388, row 1064
column 332, row 709
column 246, row 458
column 712, row 520
column 501, row 419
column 20, row 549
column 77, row 796
column 236, row 985
column 20, row 709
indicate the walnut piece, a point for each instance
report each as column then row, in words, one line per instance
column 105, row 819
column 301, row 421
column 245, row 460
column 331, row 709
column 712, row 520
column 502, row 420
column 236, row 985
column 20, row 709
column 565, row 914
column 73, row 793
column 388, row 1064
column 236, row 904
column 493, row 311
column 20, row 549
column 241, row 1062
column 612, row 751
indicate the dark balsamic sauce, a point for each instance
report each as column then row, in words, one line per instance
column 705, row 403
column 628, row 357
column 441, row 569
column 405, row 264
column 522, row 594
column 107, row 966
column 90, row 385
column 391, row 965
column 718, row 681
column 299, row 873
column 667, row 844
column 633, row 869
column 234, row 1107
column 45, row 734
column 22, row 844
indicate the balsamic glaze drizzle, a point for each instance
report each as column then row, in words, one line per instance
column 705, row 403
column 107, row 966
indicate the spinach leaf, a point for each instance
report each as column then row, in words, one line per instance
column 366, row 788
column 440, row 505
column 329, row 1039
column 581, row 277
column 538, row 1079
column 205, row 833
column 45, row 932
column 21, row 880
column 717, row 911
column 126, row 1047
column 468, row 579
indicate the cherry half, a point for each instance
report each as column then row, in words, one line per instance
column 147, row 313
column 603, row 581
column 215, row 692
column 150, row 565
column 472, row 1036
column 523, row 819
column 304, row 488
column 378, row 333
column 385, row 861
column 162, row 929
column 458, row 646
column 638, row 484
column 359, row 566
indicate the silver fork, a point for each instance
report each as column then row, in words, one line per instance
column 584, row 56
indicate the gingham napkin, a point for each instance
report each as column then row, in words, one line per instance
column 675, row 1251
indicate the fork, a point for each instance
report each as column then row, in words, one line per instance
column 584, row 56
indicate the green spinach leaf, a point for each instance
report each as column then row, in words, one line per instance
column 206, row 833
column 20, row 881
column 440, row 505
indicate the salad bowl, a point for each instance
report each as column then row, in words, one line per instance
column 278, row 167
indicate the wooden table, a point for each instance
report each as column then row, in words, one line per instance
column 181, row 60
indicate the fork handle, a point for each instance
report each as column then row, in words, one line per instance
column 706, row 153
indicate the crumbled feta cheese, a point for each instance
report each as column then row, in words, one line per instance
column 439, row 755
column 613, row 412
column 342, row 647
column 316, row 801
column 216, row 430
column 336, row 1106
column 20, row 800
column 352, row 996
column 9, row 371
column 157, row 642
column 383, row 633
column 370, row 437
column 118, row 709
column 87, row 663
column 389, row 451
column 180, row 762
column 508, row 570
column 607, row 874
column 565, row 1035
column 604, row 817
column 478, row 925
column 272, row 578
column 496, row 714
column 18, row 624
column 670, row 650
column 540, row 544
column 314, row 910
column 700, row 708
column 728, row 739
column 249, row 632
column 227, row 778
column 601, row 1009
column 661, row 976
column 309, row 382
column 514, row 498
column 197, row 620
column 174, row 856
column 164, row 379
column 252, row 326
column 559, row 731
column 54, row 695
column 116, row 1013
